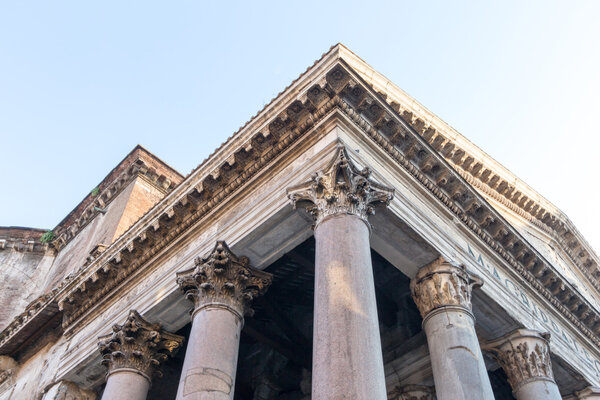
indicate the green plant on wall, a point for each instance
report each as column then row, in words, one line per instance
column 95, row 191
column 47, row 237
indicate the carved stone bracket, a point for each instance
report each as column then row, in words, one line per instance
column 341, row 188
column 223, row 278
column 524, row 355
column 414, row 392
column 442, row 284
column 138, row 345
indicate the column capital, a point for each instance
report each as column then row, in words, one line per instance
column 524, row 355
column 340, row 188
column 138, row 345
column 414, row 392
column 223, row 280
column 443, row 284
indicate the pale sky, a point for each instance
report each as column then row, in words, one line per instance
column 81, row 83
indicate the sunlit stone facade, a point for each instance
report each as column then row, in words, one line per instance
column 345, row 243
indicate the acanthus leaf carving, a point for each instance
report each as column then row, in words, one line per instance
column 224, row 278
column 524, row 355
column 441, row 284
column 138, row 345
column 340, row 188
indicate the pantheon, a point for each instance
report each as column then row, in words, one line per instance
column 345, row 243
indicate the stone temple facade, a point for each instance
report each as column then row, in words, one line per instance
column 345, row 243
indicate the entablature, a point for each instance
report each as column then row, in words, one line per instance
column 484, row 173
column 330, row 86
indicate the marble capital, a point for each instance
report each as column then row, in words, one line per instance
column 443, row 284
column 223, row 280
column 524, row 355
column 138, row 346
column 414, row 392
column 340, row 188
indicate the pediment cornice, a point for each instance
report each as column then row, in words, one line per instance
column 257, row 145
column 485, row 173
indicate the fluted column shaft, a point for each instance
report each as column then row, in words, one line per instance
column 525, row 357
column 222, row 287
column 442, row 293
column 347, row 358
column 132, row 354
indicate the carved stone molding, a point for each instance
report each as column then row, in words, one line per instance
column 258, row 144
column 65, row 390
column 589, row 393
column 442, row 284
column 341, row 188
column 8, row 366
column 223, row 278
column 524, row 355
column 138, row 345
column 414, row 392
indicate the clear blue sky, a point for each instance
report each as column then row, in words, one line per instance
column 81, row 83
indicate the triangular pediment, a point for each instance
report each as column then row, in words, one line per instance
column 341, row 83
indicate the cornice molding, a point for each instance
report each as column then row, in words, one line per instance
column 23, row 245
column 343, row 91
column 516, row 196
column 64, row 234
column 22, row 239
column 37, row 314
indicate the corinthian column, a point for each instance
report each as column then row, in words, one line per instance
column 347, row 359
column 222, row 287
column 524, row 356
column 132, row 354
column 442, row 292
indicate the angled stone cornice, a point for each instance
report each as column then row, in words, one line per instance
column 258, row 144
column 483, row 172
column 540, row 213
column 22, row 239
column 65, row 233
column 37, row 314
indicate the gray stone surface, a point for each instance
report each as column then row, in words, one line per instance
column 211, row 358
column 347, row 359
column 126, row 384
column 538, row 390
column 458, row 366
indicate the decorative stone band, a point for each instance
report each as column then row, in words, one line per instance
column 340, row 188
column 524, row 356
column 223, row 280
column 138, row 346
column 441, row 285
column 413, row 392
column 589, row 393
